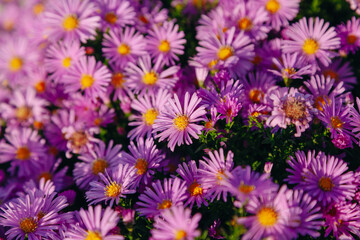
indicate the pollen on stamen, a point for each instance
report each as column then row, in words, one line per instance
column 181, row 122
column 150, row 78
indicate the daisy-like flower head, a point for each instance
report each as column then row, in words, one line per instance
column 178, row 121
column 150, row 14
column 149, row 107
column 231, row 50
column 89, row 76
column 195, row 191
column 214, row 22
column 144, row 76
column 213, row 171
column 73, row 20
column 97, row 161
column 24, row 109
column 291, row 107
column 349, row 34
column 166, row 41
column 118, row 84
column 95, row 223
column 145, row 158
column 355, row 120
column 176, row 223
column 61, row 56
column 116, row 14
column 112, row 187
column 25, row 149
column 269, row 217
column 228, row 108
column 163, row 194
column 313, row 40
column 244, row 183
column 123, row 46
column 280, row 12
column 328, row 180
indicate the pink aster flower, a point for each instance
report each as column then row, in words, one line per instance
column 163, row 194
column 89, row 76
column 313, row 40
column 214, row 22
column 178, row 121
column 116, row 14
column 123, row 46
column 144, row 76
column 95, row 223
column 71, row 20
column 145, row 158
column 229, row 108
column 166, row 41
column 291, row 107
column 118, row 84
column 349, row 34
column 150, row 14
column 176, row 223
column 112, row 187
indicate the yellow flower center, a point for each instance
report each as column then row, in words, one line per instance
column 23, row 113
column 99, row 166
column 272, row 6
column 332, row 74
column 180, row 234
column 28, row 225
column 40, row 86
column 150, row 116
column 117, row 80
column 66, row 62
column 321, row 101
column 326, row 184
column 70, row 23
column 91, row 235
column 310, row 46
column 123, row 49
column 336, row 122
column 195, row 189
column 246, row 188
column 38, row 8
column 224, row 53
column 267, row 217
column 181, row 122
column 288, row 71
column 15, row 64
column 113, row 190
column 351, row 39
column 212, row 63
column 86, row 81
column 150, row 78
column 23, row 153
column 141, row 166
column 245, row 24
column 256, row 95
column 294, row 109
column 46, row 175
column 219, row 175
column 166, row 203
column 110, row 17
column 164, row 46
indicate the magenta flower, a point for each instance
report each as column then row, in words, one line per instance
column 178, row 121
column 349, row 34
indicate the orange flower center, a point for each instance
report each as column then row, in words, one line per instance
column 267, row 216
column 256, row 95
column 23, row 153
column 336, row 122
column 110, row 17
column 272, row 6
column 99, row 166
column 245, row 24
column 351, row 39
column 294, row 109
column 326, row 184
column 181, row 122
column 195, row 189
column 141, row 166
column 28, row 225
column 166, row 203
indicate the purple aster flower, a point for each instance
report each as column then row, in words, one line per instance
column 166, row 41
column 265, row 52
column 145, row 158
column 214, row 230
column 93, row 163
column 95, row 223
column 148, row 106
column 212, row 172
column 342, row 141
column 228, row 108
column 210, row 122
column 195, row 191
column 215, row 22
column 116, row 14
column 176, row 223
column 280, row 11
column 244, row 183
column 112, row 187
column 123, row 46
column 327, row 180
column 71, row 20
column 162, row 195
column 150, row 14
column 269, row 217
column 349, row 34
column 89, row 76
column 178, row 121
column 61, row 56
column 355, row 119
column 291, row 107
column 144, row 76
column 313, row 40
column 118, row 85
column 221, row 76
column 25, row 149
